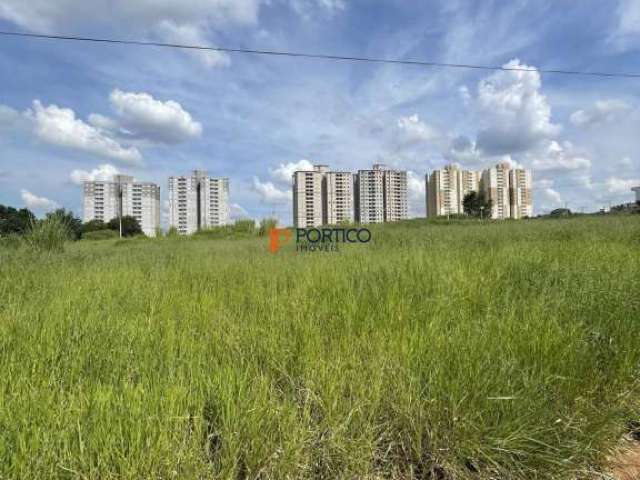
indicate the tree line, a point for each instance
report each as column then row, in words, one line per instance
column 15, row 221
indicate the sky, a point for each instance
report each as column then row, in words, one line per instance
column 72, row 111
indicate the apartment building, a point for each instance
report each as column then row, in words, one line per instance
column 325, row 197
column 520, row 193
column 197, row 202
column 446, row 189
column 495, row 186
column 396, row 204
column 369, row 204
column 123, row 196
column 637, row 190
column 308, row 192
column 338, row 198
column 509, row 190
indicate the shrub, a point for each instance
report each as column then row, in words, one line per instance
column 49, row 235
column 245, row 226
column 100, row 235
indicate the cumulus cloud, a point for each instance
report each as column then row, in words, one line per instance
column 414, row 130
column 620, row 186
column 269, row 193
column 102, row 173
column 463, row 150
column 148, row 118
column 626, row 35
column 558, row 157
column 187, row 34
column 34, row 202
column 237, row 211
column 284, row 171
column 308, row 8
column 552, row 196
column 45, row 15
column 8, row 116
column 416, row 190
column 59, row 126
column 603, row 111
column 515, row 115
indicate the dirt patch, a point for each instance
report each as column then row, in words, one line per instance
column 625, row 463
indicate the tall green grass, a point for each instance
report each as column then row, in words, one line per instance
column 474, row 351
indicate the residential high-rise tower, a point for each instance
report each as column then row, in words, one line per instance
column 123, row 196
column 198, row 202
column 446, row 189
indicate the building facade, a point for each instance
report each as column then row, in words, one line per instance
column 637, row 190
column 123, row 196
column 446, row 189
column 369, row 204
column 495, row 186
column 339, row 198
column 308, row 187
column 197, row 202
column 510, row 191
column 396, row 204
column 520, row 193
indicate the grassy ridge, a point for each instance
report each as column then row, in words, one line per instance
column 508, row 349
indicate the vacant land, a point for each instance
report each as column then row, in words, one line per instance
column 474, row 350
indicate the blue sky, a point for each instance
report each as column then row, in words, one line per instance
column 74, row 111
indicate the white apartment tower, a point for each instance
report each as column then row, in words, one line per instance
column 308, row 195
column 637, row 190
column 338, row 201
column 381, row 195
column 495, row 186
column 123, row 196
column 520, row 193
column 369, row 203
column 509, row 190
column 198, row 202
column 447, row 188
column 322, row 197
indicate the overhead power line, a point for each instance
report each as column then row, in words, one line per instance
column 316, row 56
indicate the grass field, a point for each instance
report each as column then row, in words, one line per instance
column 507, row 351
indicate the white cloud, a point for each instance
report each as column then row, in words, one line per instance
column 237, row 211
column 103, row 172
column 552, row 196
column 514, row 114
column 33, row 202
column 558, row 157
column 45, row 15
column 187, row 34
column 620, row 186
column 603, row 111
column 59, row 126
column 285, row 171
column 626, row 35
column 8, row 116
column 269, row 193
column 463, row 150
column 416, row 190
column 414, row 130
column 307, row 8
column 146, row 117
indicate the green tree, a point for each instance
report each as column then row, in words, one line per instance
column 130, row 226
column 93, row 226
column 476, row 205
column 15, row 221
